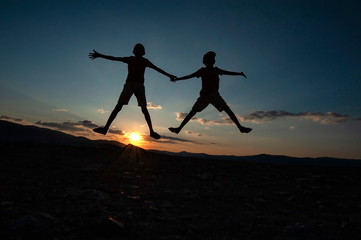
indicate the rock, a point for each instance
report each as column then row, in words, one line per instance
column 88, row 194
column 110, row 227
column 205, row 176
column 116, row 223
column 299, row 231
column 25, row 222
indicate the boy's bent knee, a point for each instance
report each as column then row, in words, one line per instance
column 194, row 111
column 144, row 109
column 227, row 109
column 118, row 107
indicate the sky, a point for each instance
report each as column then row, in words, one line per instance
column 302, row 60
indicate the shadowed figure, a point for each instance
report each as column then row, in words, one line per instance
column 134, row 84
column 209, row 92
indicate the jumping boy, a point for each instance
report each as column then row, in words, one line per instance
column 134, row 84
column 209, row 93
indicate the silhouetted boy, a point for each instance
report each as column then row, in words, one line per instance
column 134, row 84
column 209, row 93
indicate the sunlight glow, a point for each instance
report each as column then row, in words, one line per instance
column 135, row 137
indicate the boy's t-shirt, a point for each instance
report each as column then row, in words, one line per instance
column 136, row 69
column 210, row 79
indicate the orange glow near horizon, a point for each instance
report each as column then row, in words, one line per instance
column 135, row 138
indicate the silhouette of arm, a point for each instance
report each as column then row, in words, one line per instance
column 95, row 55
column 188, row 76
column 151, row 65
column 224, row 72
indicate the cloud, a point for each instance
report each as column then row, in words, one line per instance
column 59, row 110
column 224, row 120
column 8, row 118
column 177, row 139
column 101, row 110
column 323, row 118
column 259, row 117
column 81, row 126
column 117, row 132
column 88, row 124
column 151, row 105
column 193, row 133
column 167, row 139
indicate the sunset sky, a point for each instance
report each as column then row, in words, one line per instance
column 302, row 59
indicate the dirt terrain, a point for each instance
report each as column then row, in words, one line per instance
column 110, row 192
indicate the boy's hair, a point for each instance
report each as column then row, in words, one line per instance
column 209, row 57
column 139, row 50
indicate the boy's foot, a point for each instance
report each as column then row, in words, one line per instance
column 101, row 130
column 175, row 130
column 245, row 129
column 155, row 135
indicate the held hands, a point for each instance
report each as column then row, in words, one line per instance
column 244, row 75
column 173, row 78
column 94, row 55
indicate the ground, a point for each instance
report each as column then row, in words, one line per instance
column 109, row 192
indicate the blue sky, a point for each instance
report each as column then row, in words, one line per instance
column 302, row 59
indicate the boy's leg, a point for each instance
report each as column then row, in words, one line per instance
column 235, row 120
column 185, row 121
column 104, row 130
column 149, row 122
column 124, row 97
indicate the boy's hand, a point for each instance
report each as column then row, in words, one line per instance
column 244, row 75
column 94, row 55
column 173, row 78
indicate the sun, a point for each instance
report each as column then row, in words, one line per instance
column 135, row 137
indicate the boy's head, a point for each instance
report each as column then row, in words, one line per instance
column 209, row 58
column 139, row 50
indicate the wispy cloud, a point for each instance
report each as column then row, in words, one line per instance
column 80, row 126
column 117, row 132
column 101, row 110
column 168, row 139
column 151, row 105
column 8, row 118
column 59, row 110
column 193, row 133
column 223, row 121
column 323, row 118
column 83, row 127
column 259, row 117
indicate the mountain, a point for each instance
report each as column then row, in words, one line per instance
column 15, row 133
column 267, row 158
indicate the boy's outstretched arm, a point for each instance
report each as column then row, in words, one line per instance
column 224, row 72
column 95, row 55
column 187, row 76
column 172, row 77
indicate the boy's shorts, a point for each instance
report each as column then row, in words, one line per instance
column 128, row 90
column 215, row 99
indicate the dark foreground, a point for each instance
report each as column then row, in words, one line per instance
column 64, row 192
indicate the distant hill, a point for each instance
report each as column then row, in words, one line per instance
column 267, row 158
column 16, row 133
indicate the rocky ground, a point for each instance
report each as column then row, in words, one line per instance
column 59, row 192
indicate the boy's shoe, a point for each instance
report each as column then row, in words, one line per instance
column 101, row 130
column 245, row 129
column 175, row 130
column 155, row 135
